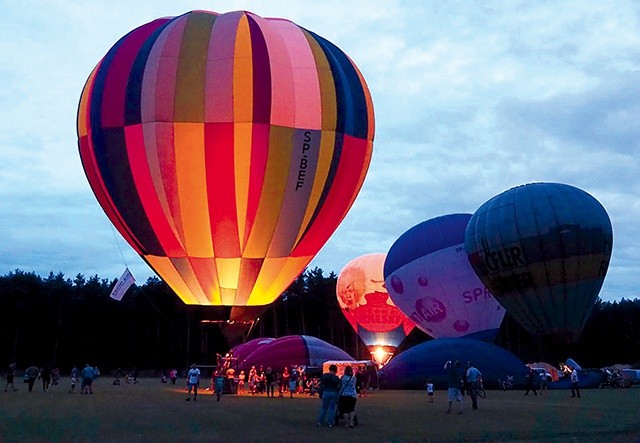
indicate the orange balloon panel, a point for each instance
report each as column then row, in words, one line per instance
column 366, row 304
column 226, row 149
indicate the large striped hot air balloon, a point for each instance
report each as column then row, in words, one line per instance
column 226, row 149
column 543, row 251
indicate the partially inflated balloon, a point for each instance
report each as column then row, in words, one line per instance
column 543, row 250
column 366, row 304
column 429, row 278
column 226, row 149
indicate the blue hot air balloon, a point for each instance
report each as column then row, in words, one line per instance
column 428, row 276
column 411, row 368
column 543, row 250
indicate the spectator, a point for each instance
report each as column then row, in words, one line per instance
column 455, row 384
column 531, row 377
column 88, row 375
column 329, row 388
column 473, row 380
column 11, row 372
column 220, row 378
column 31, row 375
column 285, row 379
column 575, row 391
column 348, row 397
column 429, row 386
column 241, row 379
column 252, row 380
column 293, row 382
column 45, row 375
column 270, row 379
column 231, row 379
column 193, row 381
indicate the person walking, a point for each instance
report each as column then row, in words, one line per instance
column 193, row 381
column 31, row 375
column 575, row 391
column 11, row 373
column 454, row 382
column 329, row 388
column 473, row 380
column 45, row 375
column 219, row 384
column 348, row 397
column 531, row 376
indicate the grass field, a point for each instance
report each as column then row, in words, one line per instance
column 151, row 411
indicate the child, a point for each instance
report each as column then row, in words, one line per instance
column 219, row 385
column 430, row 390
column 74, row 380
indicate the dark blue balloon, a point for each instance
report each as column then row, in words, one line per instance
column 413, row 367
column 543, row 250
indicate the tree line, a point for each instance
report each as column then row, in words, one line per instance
column 68, row 322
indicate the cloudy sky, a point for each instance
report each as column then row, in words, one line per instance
column 471, row 99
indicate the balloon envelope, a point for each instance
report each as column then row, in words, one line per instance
column 429, row 278
column 366, row 304
column 226, row 149
column 543, row 250
column 413, row 367
column 242, row 351
column 293, row 350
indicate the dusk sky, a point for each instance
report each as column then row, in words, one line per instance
column 471, row 99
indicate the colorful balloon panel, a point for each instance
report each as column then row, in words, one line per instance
column 365, row 302
column 226, row 149
column 243, row 350
column 543, row 250
column 292, row 351
column 429, row 278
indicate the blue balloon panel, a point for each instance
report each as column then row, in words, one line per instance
column 543, row 251
column 413, row 367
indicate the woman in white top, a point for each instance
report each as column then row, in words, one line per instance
column 348, row 397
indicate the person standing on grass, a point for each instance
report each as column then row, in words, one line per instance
column 348, row 397
column 74, row 380
column 293, row 382
column 193, row 381
column 329, row 388
column 429, row 386
column 575, row 392
column 31, row 375
column 531, row 376
column 455, row 381
column 270, row 378
column 473, row 380
column 11, row 372
column 87, row 374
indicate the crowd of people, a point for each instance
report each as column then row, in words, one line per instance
column 51, row 377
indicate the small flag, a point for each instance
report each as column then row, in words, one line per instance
column 124, row 282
